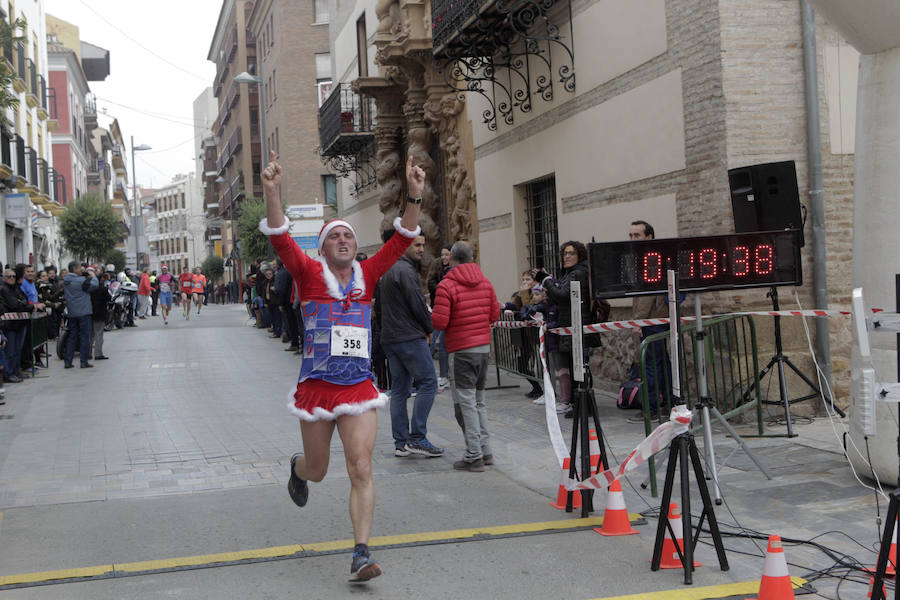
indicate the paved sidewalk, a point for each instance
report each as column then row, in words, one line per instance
column 198, row 406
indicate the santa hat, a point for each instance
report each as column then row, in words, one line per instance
column 327, row 227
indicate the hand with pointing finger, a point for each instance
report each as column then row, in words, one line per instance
column 415, row 179
column 271, row 175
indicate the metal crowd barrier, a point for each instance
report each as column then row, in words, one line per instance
column 516, row 351
column 732, row 371
column 38, row 333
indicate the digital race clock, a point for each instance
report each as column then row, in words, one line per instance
column 719, row 262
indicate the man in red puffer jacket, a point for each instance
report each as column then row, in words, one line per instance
column 465, row 305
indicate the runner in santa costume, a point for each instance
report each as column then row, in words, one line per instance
column 335, row 387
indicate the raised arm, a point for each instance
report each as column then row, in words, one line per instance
column 271, row 180
column 415, row 185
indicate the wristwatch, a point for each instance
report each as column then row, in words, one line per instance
column 411, row 200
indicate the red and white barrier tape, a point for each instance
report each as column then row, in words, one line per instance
column 638, row 323
column 659, row 439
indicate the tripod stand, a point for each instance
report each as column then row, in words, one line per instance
column 585, row 410
column 683, row 448
column 781, row 360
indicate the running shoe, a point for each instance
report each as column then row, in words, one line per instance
column 443, row 383
column 363, row 567
column 424, row 448
column 539, row 401
column 297, row 488
column 401, row 452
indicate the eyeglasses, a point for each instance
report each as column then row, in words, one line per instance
column 9, row 277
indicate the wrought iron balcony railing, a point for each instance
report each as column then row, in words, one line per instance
column 510, row 51
column 6, row 140
column 32, row 164
column 19, row 142
column 346, row 122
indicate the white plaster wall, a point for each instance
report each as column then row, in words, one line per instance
column 876, row 211
column 590, row 151
column 611, row 37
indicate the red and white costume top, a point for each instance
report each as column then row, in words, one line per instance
column 333, row 385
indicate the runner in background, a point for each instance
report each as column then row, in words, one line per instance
column 199, row 283
column 186, row 286
column 166, row 283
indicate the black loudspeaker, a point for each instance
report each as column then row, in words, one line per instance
column 765, row 197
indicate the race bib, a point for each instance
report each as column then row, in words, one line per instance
column 349, row 341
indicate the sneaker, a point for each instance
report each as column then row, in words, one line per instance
column 570, row 413
column 297, row 488
column 561, row 407
column 539, row 401
column 424, row 448
column 401, row 452
column 443, row 382
column 534, row 394
column 488, row 459
column 473, row 466
column 363, row 567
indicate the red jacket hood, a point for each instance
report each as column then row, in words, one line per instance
column 467, row 274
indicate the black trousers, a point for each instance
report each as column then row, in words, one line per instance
column 291, row 324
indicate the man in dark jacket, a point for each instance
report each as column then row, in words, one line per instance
column 465, row 305
column 405, row 329
column 100, row 310
column 13, row 300
column 78, row 301
column 284, row 284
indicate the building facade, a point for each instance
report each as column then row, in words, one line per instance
column 294, row 62
column 236, row 128
column 206, row 111
column 176, row 224
column 26, row 162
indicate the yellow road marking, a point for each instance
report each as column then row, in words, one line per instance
column 281, row 551
column 700, row 593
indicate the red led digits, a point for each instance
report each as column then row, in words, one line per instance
column 653, row 270
column 707, row 259
column 764, row 262
column 741, row 261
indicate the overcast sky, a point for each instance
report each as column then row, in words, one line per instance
column 158, row 67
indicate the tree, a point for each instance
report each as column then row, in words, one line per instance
column 254, row 244
column 89, row 228
column 117, row 258
column 8, row 38
column 213, row 267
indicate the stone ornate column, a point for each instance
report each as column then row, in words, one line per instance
column 441, row 112
column 419, row 144
column 389, row 153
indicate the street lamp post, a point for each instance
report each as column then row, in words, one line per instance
column 247, row 78
column 137, row 202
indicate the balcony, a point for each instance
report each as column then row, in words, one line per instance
column 31, row 173
column 90, row 113
column 52, row 123
column 58, row 183
column 346, row 122
column 6, row 162
column 42, row 112
column 234, row 94
column 19, row 154
column 237, row 188
column 118, row 163
column 32, row 97
column 8, row 55
column 235, row 142
column 19, row 82
column 502, row 50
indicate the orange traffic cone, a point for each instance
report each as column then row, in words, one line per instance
column 872, row 587
column 561, row 495
column 595, row 452
column 615, row 519
column 670, row 558
column 776, row 581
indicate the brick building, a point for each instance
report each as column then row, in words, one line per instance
column 295, row 66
